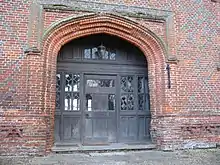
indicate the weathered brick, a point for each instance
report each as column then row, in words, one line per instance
column 32, row 33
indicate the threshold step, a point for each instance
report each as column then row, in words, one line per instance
column 104, row 148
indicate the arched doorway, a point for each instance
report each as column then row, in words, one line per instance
column 73, row 28
column 102, row 94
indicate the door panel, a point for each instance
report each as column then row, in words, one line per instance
column 71, row 126
column 143, row 128
column 100, row 130
column 57, row 128
column 128, row 128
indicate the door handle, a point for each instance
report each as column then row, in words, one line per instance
column 87, row 115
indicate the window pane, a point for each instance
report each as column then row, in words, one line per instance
column 72, row 101
column 124, row 102
column 58, row 88
column 76, row 102
column 105, row 55
column 112, row 56
column 101, row 83
column 141, row 84
column 130, row 102
column 58, row 100
column 72, row 82
column 130, row 87
column 94, row 53
column 69, row 80
column 87, row 53
column 141, row 101
column 146, row 85
column 89, row 102
column 111, row 102
column 127, row 84
column 100, row 102
column 147, row 102
column 123, row 84
column 127, row 102
column 68, row 102
column 58, row 82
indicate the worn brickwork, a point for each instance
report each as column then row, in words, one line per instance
column 187, row 115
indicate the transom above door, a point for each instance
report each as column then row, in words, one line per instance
column 102, row 94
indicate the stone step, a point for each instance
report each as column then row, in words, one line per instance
column 102, row 148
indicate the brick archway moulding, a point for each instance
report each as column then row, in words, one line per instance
column 69, row 29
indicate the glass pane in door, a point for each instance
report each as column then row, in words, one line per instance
column 100, row 102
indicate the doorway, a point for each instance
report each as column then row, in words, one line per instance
column 102, row 94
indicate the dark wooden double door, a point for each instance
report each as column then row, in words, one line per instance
column 102, row 93
column 100, row 109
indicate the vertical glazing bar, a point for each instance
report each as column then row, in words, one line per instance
column 118, row 103
column 62, row 97
column 82, row 102
column 136, row 103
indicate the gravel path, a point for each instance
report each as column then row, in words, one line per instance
column 186, row 157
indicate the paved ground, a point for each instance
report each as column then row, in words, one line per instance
column 192, row 157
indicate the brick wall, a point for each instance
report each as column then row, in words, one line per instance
column 190, row 113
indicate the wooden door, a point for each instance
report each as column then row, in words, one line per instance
column 134, row 114
column 100, row 109
column 68, row 112
column 102, row 94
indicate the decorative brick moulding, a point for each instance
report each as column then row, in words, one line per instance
column 72, row 28
column 200, row 129
column 11, row 131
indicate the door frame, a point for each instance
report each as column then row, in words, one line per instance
column 137, row 70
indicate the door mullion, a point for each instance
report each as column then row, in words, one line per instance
column 82, row 108
column 136, row 104
column 62, row 106
column 118, row 102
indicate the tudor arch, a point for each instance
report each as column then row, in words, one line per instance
column 65, row 31
column 102, row 94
